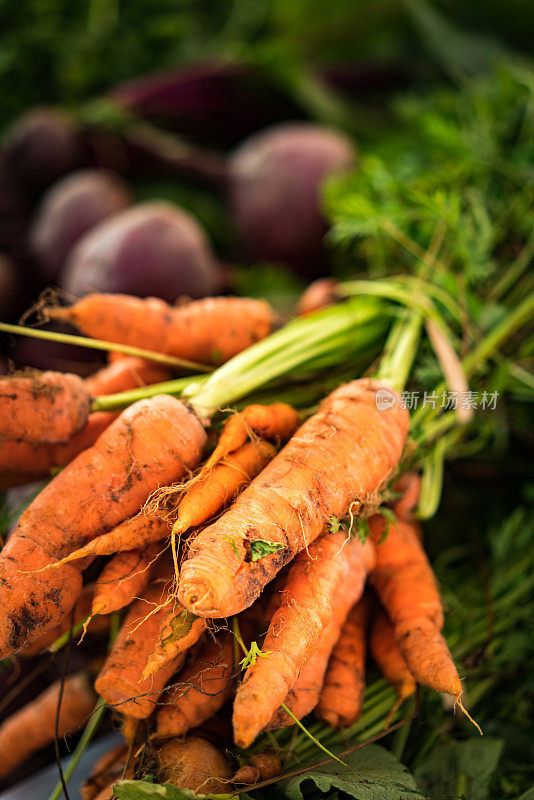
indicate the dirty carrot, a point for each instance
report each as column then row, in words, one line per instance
column 336, row 462
column 122, row 579
column 179, row 630
column 42, row 406
column 210, row 330
column 341, row 701
column 200, row 689
column 151, row 443
column 276, row 422
column 120, row 682
column 296, row 627
column 33, row 725
column 21, row 462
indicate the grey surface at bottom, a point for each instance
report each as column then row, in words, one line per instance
column 41, row 785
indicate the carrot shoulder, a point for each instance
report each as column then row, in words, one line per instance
column 153, row 442
column 338, row 460
column 210, row 330
column 42, row 406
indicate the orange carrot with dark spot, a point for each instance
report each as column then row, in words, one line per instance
column 120, row 682
column 153, row 442
column 200, row 689
column 209, row 331
column 42, row 406
column 341, row 701
column 276, row 422
column 297, row 626
column 338, row 460
column 179, row 630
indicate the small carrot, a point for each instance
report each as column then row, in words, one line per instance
column 193, row 763
column 179, row 630
column 210, row 330
column 409, row 486
column 122, row 579
column 200, row 689
column 297, row 626
column 259, row 767
column 337, row 461
column 108, row 768
column 33, row 725
column 276, row 422
column 321, row 293
column 22, row 462
column 120, row 682
column 152, row 442
column 123, row 374
column 341, row 701
column 43, row 406
column 136, row 532
column 389, row 658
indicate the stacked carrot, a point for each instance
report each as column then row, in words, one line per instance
column 269, row 560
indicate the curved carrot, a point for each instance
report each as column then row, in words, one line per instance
column 336, row 462
column 42, row 406
column 122, row 579
column 178, row 631
column 139, row 531
column 123, row 374
column 22, row 462
column 341, row 700
column 296, row 628
column 259, row 767
column 152, row 442
column 120, row 682
column 201, row 689
column 389, row 658
column 33, row 725
column 275, row 422
column 210, row 330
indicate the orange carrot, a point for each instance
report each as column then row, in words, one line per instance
column 33, row 725
column 120, row 682
column 336, row 462
column 405, row 584
column 409, row 485
column 389, row 658
column 276, row 422
column 153, row 442
column 139, row 531
column 200, row 689
column 193, row 763
column 126, row 373
column 108, row 769
column 297, row 626
column 259, row 767
column 341, row 701
column 178, row 631
column 22, row 462
column 43, row 406
column 122, row 579
column 82, row 610
column 210, row 330
column 321, row 293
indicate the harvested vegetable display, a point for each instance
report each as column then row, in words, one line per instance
column 277, row 537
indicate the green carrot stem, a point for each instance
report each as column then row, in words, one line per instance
column 316, row 741
column 399, row 352
column 85, row 739
column 99, row 344
column 62, row 640
column 119, row 400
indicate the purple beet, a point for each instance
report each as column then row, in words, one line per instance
column 275, row 181
column 152, row 249
column 74, row 205
column 41, row 146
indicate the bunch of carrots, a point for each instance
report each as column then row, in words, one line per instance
column 232, row 552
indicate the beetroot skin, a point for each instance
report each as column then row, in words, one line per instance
column 275, row 182
column 152, row 249
column 70, row 208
